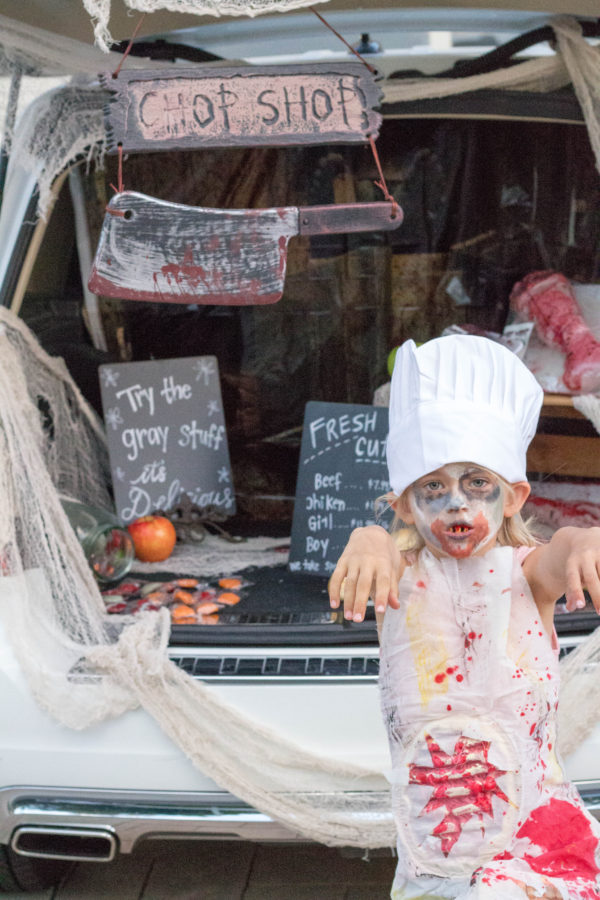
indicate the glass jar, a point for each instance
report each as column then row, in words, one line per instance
column 107, row 545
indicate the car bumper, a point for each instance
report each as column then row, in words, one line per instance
column 33, row 817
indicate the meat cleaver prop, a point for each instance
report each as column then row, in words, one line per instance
column 154, row 250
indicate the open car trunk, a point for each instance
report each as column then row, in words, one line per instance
column 492, row 187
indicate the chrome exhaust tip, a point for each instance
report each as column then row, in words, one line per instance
column 76, row 844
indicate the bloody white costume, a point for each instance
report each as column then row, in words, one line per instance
column 469, row 689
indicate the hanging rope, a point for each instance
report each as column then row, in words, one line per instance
column 352, row 49
column 120, row 187
column 129, row 46
column 381, row 184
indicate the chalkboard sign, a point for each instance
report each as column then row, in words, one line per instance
column 166, row 435
column 342, row 471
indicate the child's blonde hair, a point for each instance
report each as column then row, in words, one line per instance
column 514, row 531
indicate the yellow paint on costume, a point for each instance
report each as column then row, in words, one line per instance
column 428, row 651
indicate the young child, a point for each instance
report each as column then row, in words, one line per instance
column 469, row 654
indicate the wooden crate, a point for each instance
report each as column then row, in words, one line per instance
column 563, row 454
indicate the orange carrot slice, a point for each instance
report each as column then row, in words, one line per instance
column 206, row 608
column 187, row 582
column 230, row 583
column 183, row 615
column 229, row 598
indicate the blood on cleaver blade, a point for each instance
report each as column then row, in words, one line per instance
column 154, row 250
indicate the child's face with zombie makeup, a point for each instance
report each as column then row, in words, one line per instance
column 458, row 509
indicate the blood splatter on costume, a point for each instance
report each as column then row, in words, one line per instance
column 469, row 690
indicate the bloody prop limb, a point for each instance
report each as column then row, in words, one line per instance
column 547, row 299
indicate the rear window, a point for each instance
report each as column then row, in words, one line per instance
column 485, row 202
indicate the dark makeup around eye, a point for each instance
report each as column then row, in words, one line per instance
column 490, row 491
column 425, row 496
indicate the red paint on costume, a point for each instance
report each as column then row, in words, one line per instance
column 565, row 838
column 467, row 767
column 421, row 584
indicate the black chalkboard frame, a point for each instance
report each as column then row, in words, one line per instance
column 341, row 473
column 166, row 435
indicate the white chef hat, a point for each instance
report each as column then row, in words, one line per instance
column 460, row 398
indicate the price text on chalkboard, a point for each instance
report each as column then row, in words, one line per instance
column 166, row 435
column 342, row 471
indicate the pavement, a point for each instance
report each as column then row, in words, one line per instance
column 227, row 870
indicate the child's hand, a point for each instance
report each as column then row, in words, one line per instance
column 371, row 565
column 581, row 568
column 566, row 565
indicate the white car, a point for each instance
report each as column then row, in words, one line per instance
column 492, row 184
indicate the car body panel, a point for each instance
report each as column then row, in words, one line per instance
column 125, row 774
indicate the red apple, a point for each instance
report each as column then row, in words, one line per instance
column 153, row 538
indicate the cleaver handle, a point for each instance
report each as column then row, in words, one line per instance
column 343, row 218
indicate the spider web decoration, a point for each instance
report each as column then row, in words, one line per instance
column 463, row 783
column 99, row 10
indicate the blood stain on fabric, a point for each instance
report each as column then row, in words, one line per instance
column 563, row 834
column 439, row 677
column 446, row 772
column 421, row 584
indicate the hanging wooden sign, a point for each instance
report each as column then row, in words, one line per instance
column 249, row 106
column 155, row 250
